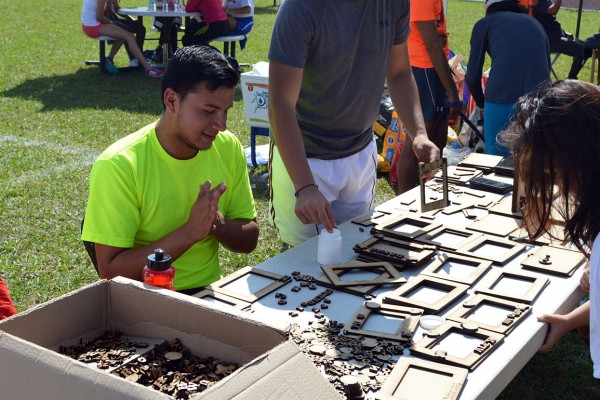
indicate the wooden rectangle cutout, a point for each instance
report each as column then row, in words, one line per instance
column 387, row 273
column 448, row 238
column 212, row 296
column 448, row 266
column 370, row 218
column 413, row 226
column 461, row 352
column 444, row 201
column 500, row 250
column 398, row 252
column 513, row 286
column 491, row 313
column 495, row 224
column 404, row 330
column 275, row 281
column 414, row 292
column 414, row 378
column 554, row 261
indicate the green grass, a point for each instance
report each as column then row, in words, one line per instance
column 59, row 114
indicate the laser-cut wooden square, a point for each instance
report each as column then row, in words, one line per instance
column 510, row 249
column 444, row 201
column 208, row 294
column 398, row 252
column 484, row 162
column 448, row 238
column 405, row 294
column 278, row 281
column 495, row 224
column 417, row 226
column 555, row 238
column 474, row 310
column 431, row 345
column 405, row 331
column 554, row 261
column 415, row 378
column 505, row 284
column 387, row 273
column 441, row 268
column 504, row 207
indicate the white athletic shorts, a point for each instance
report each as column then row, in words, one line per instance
column 347, row 183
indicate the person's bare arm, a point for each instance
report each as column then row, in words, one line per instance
column 429, row 32
column 405, row 97
column 553, row 9
column 239, row 235
column 561, row 324
column 129, row 262
column 284, row 88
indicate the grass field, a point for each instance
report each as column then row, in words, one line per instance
column 59, row 114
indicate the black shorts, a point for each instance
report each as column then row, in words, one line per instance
column 431, row 92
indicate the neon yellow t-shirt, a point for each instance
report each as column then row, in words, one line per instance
column 139, row 193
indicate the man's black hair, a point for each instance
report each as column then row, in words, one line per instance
column 200, row 64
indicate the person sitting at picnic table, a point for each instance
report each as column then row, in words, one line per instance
column 7, row 307
column 212, row 24
column 96, row 23
column 180, row 184
column 555, row 144
column 240, row 14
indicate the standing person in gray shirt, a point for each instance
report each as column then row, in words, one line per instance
column 329, row 60
column 520, row 53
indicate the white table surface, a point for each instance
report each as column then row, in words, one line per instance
column 489, row 379
column 147, row 12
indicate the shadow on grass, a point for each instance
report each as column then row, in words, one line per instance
column 89, row 88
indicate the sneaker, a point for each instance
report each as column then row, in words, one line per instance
column 134, row 63
column 110, row 67
column 154, row 73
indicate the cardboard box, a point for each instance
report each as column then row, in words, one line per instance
column 255, row 92
column 272, row 367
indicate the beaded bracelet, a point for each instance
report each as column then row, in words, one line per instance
column 304, row 187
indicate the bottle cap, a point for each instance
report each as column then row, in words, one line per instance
column 159, row 260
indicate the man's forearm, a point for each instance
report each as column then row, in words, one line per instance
column 240, row 235
column 405, row 97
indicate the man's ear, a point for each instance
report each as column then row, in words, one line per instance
column 170, row 98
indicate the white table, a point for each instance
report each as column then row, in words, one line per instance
column 489, row 379
column 168, row 15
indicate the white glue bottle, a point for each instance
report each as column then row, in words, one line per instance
column 329, row 249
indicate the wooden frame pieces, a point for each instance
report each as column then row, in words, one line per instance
column 387, row 273
column 409, row 317
column 495, row 224
column 278, row 281
column 217, row 297
column 554, row 260
column 460, row 175
column 432, row 345
column 477, row 267
column 504, row 284
column 484, row 162
column 370, row 219
column 475, row 247
column 476, row 310
column 395, row 251
column 414, row 378
column 442, row 238
column 404, row 294
column 505, row 207
column 388, row 226
column 444, row 201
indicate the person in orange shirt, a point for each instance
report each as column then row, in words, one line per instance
column 428, row 50
column 7, row 308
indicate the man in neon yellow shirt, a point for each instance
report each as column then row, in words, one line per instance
column 180, row 184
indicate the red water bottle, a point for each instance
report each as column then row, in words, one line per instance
column 159, row 271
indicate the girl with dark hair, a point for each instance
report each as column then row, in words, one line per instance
column 520, row 55
column 555, row 143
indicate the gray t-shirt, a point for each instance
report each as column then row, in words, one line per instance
column 344, row 48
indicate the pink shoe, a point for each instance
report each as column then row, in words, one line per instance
column 154, row 73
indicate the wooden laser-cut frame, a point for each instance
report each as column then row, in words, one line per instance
column 519, row 312
column 405, row 331
column 405, row 253
column 457, row 375
column 223, row 298
column 460, row 175
column 370, row 219
column 443, row 202
column 495, row 224
column 278, row 281
column 561, row 261
column 538, row 283
column 480, row 267
column 386, row 226
column 425, row 347
column 430, row 237
column 453, row 290
column 387, row 273
column 513, row 249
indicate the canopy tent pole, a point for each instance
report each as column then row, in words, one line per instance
column 579, row 18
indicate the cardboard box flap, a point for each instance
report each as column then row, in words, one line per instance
column 28, row 371
column 283, row 373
